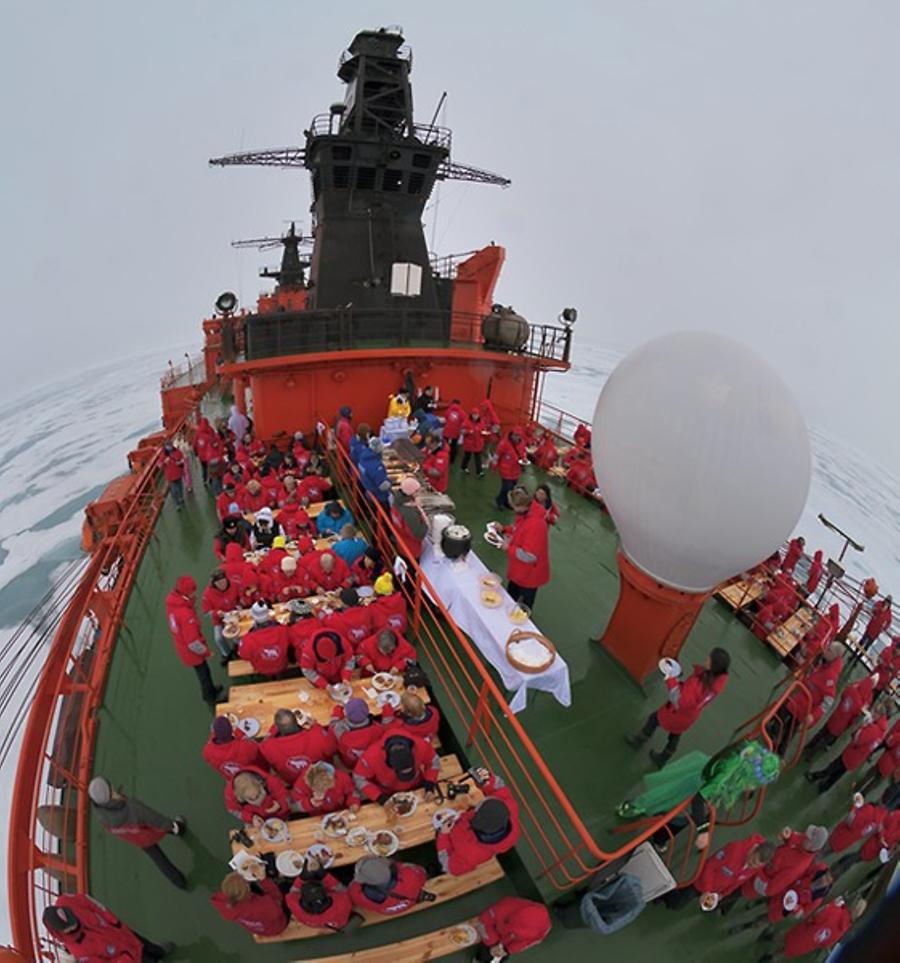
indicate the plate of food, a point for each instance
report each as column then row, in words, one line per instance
column 491, row 598
column 289, row 862
column 709, row 901
column 274, row 830
column 365, row 591
column 358, row 836
column 444, row 818
column 464, row 935
column 304, row 719
column 340, row 691
column 336, row 824
column 670, row 668
column 518, row 613
column 391, row 699
column 490, row 581
column 251, row 867
column 492, row 538
column 383, row 681
column 321, row 852
column 250, row 727
column 383, row 843
column 231, row 631
column 404, row 803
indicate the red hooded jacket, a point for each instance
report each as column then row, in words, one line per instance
column 727, row 870
column 858, row 825
column 403, row 895
column 289, row 755
column 320, row 580
column 436, row 468
column 173, row 465
column 425, row 728
column 822, row 684
column 389, row 612
column 184, row 624
column 241, row 573
column 371, row 660
column 516, row 923
column 266, row 648
column 790, row 862
column 879, row 621
column 693, row 696
column 335, row 917
column 229, row 758
column 792, row 555
column 508, row 455
column 101, row 936
column 454, row 418
column 375, row 778
column 807, row 900
column 262, row 914
column 546, row 455
column 326, row 660
column 854, row 699
column 276, row 793
column 473, row 439
column 863, row 743
column 352, row 741
column 342, row 795
column 528, row 536
column 886, row 838
column 823, row 929
column 353, row 623
column 889, row 760
column 214, row 602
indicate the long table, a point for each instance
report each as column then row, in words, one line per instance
column 459, row 590
column 740, row 594
column 790, row 633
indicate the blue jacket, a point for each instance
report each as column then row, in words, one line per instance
column 332, row 526
column 373, row 474
column 356, row 447
column 349, row 549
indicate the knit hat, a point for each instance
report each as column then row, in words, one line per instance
column 234, row 509
column 185, row 585
column 100, row 791
column 384, row 584
column 325, row 645
column 59, row 919
column 349, row 596
column 410, row 486
column 265, row 515
column 260, row 612
column 400, row 758
column 305, row 544
column 314, row 897
column 278, row 541
column 356, row 712
column 298, row 436
column 345, row 411
column 221, row 730
column 491, row 816
column 373, row 871
column 816, row 837
column 288, row 564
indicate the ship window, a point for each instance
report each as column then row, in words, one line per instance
column 421, row 160
column 415, row 183
column 341, row 176
column 365, row 178
column 341, row 152
column 393, row 180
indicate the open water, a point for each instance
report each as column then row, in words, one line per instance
column 61, row 444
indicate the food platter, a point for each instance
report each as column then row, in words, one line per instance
column 322, row 852
column 289, row 862
column 403, row 803
column 383, row 843
column 709, row 901
column 383, row 681
column 518, row 613
column 358, row 836
column 492, row 538
column 341, row 691
column 274, row 830
column 336, row 825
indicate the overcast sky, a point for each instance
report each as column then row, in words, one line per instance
column 732, row 166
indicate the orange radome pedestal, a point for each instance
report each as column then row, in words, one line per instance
column 650, row 620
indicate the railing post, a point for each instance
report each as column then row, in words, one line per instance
column 480, row 711
column 417, row 606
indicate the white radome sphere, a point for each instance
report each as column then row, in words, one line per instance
column 702, row 457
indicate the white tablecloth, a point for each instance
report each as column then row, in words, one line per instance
column 459, row 590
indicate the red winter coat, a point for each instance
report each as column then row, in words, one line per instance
column 184, row 625
column 335, row 917
column 342, row 795
column 313, row 488
column 274, row 803
column 224, row 503
column 101, row 936
column 814, row 575
column 371, row 660
column 409, row 542
column 727, row 870
column 278, row 586
column 454, row 418
column 822, row 684
column 201, row 440
column 362, row 575
column 473, row 439
column 353, row 741
column 290, row 755
column 693, row 696
column 489, row 415
column 241, row 573
column 353, row 624
column 425, row 728
column 294, row 521
column 859, row 825
column 546, row 455
column 528, row 536
column 343, row 432
column 266, row 648
column 792, row 555
column 889, row 760
column 436, row 469
column 823, row 929
column 173, row 465
column 508, row 455
column 229, row 758
column 854, row 699
column 389, row 612
column 324, row 672
column 319, row 579
column 888, row 666
column 863, row 743
column 252, row 502
column 879, row 621
column 262, row 914
column 807, row 901
column 886, row 838
column 375, row 778
column 465, row 851
column 788, row 864
column 403, row 895
column 516, row 923
column 214, row 602
column 581, row 478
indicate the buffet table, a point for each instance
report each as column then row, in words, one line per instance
column 459, row 590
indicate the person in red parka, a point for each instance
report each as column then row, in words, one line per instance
column 173, row 472
column 888, row 763
column 355, row 729
column 242, row 574
column 454, row 419
column 326, row 658
column 258, row 907
column 580, row 477
column 397, row 762
column 90, row 932
column 319, row 901
column 387, row 887
column 325, row 572
column 181, row 614
column 353, row 622
column 291, row 748
column 821, row 681
column 384, row 651
column 819, row 636
column 793, row 554
column 790, row 861
column 267, row 645
column 490, row 421
column 294, row 521
column 321, row 789
column 436, row 466
column 508, row 458
column 488, row 830
column 854, row 700
column 879, row 621
column 527, row 548
column 254, row 796
column 814, row 575
column 878, row 846
column 219, row 598
column 414, row 716
column 510, row 926
column 867, row 737
column 286, row 582
column 205, row 431
column 863, row 820
column 821, row 930
column 888, row 666
column 546, row 454
column 229, row 750
column 389, row 609
column 474, row 440
column 343, row 427
column 687, row 700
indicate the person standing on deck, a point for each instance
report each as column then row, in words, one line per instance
column 184, row 624
column 868, row 736
column 436, row 467
column 527, row 548
column 343, row 427
column 473, row 443
column 490, row 421
column 854, row 701
column 408, row 518
column 509, row 457
column 138, row 824
column 201, row 446
column 821, row 681
column 820, row 931
column 173, row 471
column 219, row 598
column 686, row 702
column 89, row 931
column 879, row 621
column 454, row 419
column 544, row 497
column 792, row 555
column 358, row 442
column 258, row 906
column 373, row 474
column 887, row 765
column 814, row 576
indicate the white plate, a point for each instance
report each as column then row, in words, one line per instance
column 442, row 816
column 709, row 901
column 274, row 830
column 324, row 854
column 493, row 540
column 329, row 830
column 341, row 691
column 358, row 836
column 304, row 719
column 285, row 862
column 388, row 850
column 412, row 797
column 464, row 935
column 383, row 681
column 670, row 668
column 365, row 591
column 388, row 698
column 250, row 727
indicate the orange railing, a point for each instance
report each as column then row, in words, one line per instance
column 562, row 847
column 48, row 834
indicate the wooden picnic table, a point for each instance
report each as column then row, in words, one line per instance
column 282, row 613
column 261, row 700
column 740, row 594
column 412, row 830
column 789, row 634
column 313, row 510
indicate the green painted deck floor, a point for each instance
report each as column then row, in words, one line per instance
column 153, row 726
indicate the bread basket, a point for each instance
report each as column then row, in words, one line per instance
column 529, row 667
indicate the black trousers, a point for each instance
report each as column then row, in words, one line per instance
column 467, row 455
column 651, row 725
column 519, row 594
column 823, row 739
column 506, row 486
column 828, row 776
column 207, row 687
column 150, row 950
column 204, row 472
column 483, row 955
column 172, row 873
column 454, row 448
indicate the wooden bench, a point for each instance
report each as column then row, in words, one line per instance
column 740, row 594
column 790, row 633
column 260, row 700
column 445, row 888
column 413, row 830
column 428, row 946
